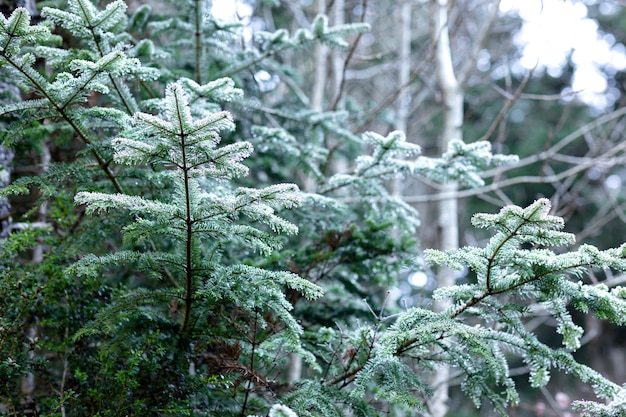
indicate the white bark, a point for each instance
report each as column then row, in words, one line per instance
column 339, row 18
column 404, row 73
column 404, row 67
column 320, row 63
column 452, row 95
column 321, row 68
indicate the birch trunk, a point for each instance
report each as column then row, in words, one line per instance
column 404, row 73
column 339, row 18
column 404, row 67
column 320, row 62
column 321, row 67
column 452, row 94
column 6, row 158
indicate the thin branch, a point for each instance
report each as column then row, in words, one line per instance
column 511, row 100
column 470, row 63
column 415, row 74
column 253, row 342
column 349, row 58
column 547, row 154
column 537, row 97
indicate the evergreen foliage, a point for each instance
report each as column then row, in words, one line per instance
column 184, row 271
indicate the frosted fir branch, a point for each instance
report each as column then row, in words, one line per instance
column 260, row 205
column 101, row 202
column 32, row 78
column 92, row 265
column 84, row 20
column 395, row 143
column 478, row 353
column 607, row 304
column 279, row 410
column 278, row 342
column 133, row 152
column 396, row 382
column 289, row 279
column 264, row 242
column 268, row 39
column 116, row 63
column 532, row 224
column 105, row 116
column 275, row 44
column 504, row 268
column 16, row 31
column 615, row 408
column 151, row 124
column 92, row 76
column 464, row 163
column 614, row 258
column 54, row 56
column 97, row 27
column 220, row 163
column 216, row 122
column 202, row 133
column 571, row 332
column 313, row 399
column 221, row 90
column 177, row 109
column 26, row 105
column 328, row 119
column 143, row 230
column 277, row 139
column 332, row 36
column 386, row 161
column 277, row 195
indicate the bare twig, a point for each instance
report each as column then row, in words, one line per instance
column 507, row 106
column 349, row 58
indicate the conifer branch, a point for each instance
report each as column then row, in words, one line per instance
column 493, row 292
column 348, row 58
column 129, row 107
column 319, row 32
column 62, row 111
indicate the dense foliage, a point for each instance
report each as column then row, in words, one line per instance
column 168, row 264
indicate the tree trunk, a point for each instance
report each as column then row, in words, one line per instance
column 452, row 94
column 320, row 63
column 404, row 73
column 6, row 158
column 338, row 62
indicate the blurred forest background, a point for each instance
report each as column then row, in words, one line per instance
column 565, row 119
